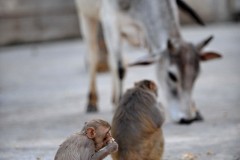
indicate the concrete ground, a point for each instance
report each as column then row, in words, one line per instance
column 43, row 90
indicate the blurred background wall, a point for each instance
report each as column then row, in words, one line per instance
column 37, row 20
column 24, row 21
column 213, row 11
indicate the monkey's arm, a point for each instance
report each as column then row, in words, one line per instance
column 105, row 151
column 158, row 114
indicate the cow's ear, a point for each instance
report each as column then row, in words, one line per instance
column 205, row 56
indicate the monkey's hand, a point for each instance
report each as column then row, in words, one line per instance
column 111, row 146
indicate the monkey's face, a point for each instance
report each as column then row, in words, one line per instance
column 102, row 137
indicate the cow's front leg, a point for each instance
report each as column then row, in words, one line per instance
column 111, row 30
column 89, row 31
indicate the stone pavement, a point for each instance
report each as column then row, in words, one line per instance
column 43, row 91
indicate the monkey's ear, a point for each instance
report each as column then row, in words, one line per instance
column 152, row 86
column 91, row 133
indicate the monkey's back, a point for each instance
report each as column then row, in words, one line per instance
column 76, row 147
column 136, row 127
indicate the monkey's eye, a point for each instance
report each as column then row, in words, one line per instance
column 172, row 76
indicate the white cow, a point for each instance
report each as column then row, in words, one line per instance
column 177, row 60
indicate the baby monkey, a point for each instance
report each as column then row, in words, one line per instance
column 94, row 142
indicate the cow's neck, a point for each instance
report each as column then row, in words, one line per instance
column 169, row 20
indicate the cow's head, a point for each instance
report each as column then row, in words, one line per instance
column 177, row 69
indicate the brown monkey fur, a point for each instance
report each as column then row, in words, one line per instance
column 136, row 125
column 94, row 142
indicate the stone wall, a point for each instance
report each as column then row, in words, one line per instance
column 37, row 20
column 42, row 20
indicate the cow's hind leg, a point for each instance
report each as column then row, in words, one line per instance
column 102, row 65
column 89, row 31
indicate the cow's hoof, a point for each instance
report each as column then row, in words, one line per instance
column 185, row 121
column 92, row 108
column 198, row 117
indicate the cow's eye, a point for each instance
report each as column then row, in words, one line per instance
column 124, row 5
column 172, row 76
